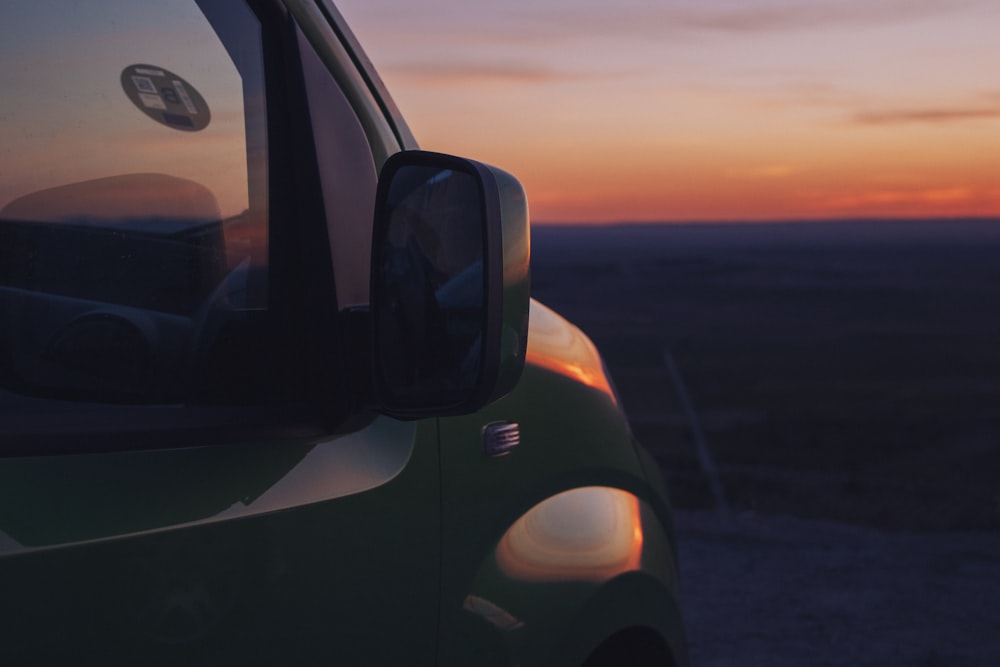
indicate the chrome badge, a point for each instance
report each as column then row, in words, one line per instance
column 499, row 438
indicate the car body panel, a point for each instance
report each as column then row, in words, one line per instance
column 124, row 494
column 390, row 542
column 509, row 573
column 224, row 555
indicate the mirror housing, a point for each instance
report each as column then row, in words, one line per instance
column 450, row 285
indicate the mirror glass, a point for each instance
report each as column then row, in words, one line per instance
column 430, row 281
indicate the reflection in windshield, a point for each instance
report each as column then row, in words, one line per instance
column 141, row 240
column 67, row 119
column 157, row 203
column 133, row 199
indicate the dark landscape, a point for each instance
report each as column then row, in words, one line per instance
column 844, row 374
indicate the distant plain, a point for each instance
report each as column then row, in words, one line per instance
column 842, row 370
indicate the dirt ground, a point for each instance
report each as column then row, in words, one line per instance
column 786, row 592
column 841, row 383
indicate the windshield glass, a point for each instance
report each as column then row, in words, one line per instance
column 69, row 71
column 133, row 193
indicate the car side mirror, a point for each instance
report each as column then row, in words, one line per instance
column 450, row 285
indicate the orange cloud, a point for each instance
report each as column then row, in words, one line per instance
column 806, row 16
column 659, row 21
column 925, row 116
column 451, row 74
column 760, row 171
column 896, row 198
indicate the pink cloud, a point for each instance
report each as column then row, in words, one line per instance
column 931, row 115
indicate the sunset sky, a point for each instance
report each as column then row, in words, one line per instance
column 648, row 110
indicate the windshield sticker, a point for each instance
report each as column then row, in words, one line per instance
column 165, row 97
column 152, row 101
column 144, row 84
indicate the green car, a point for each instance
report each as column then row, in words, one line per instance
column 272, row 387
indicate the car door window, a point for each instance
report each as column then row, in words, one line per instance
column 133, row 194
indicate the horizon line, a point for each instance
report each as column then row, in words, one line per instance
column 992, row 219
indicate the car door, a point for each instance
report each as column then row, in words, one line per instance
column 186, row 474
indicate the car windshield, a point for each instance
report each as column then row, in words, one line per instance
column 73, row 108
column 133, row 191
column 133, row 125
